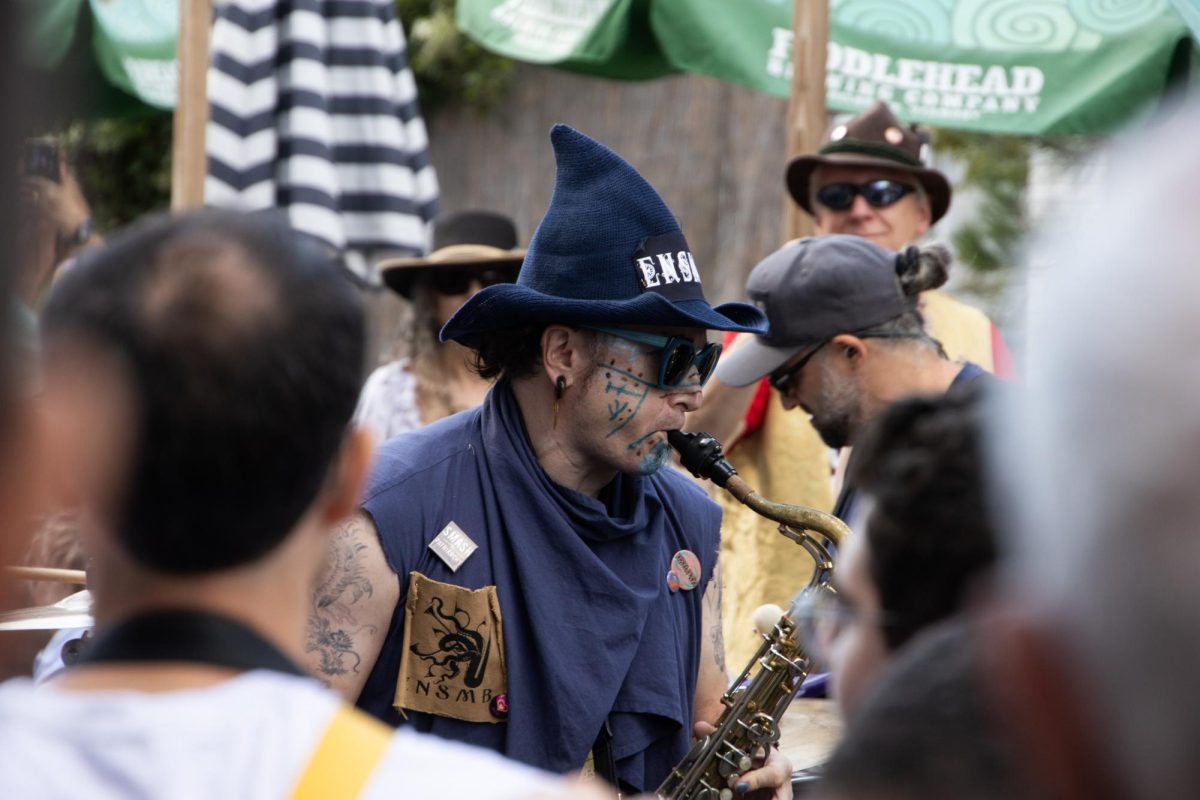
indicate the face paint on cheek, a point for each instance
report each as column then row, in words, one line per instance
column 625, row 387
column 625, row 395
column 625, row 359
column 652, row 451
column 655, row 458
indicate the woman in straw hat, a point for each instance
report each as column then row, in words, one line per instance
column 432, row 380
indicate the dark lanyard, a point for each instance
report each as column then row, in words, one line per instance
column 189, row 636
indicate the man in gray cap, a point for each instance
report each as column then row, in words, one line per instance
column 845, row 337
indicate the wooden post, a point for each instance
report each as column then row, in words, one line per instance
column 806, row 107
column 188, row 164
column 50, row 574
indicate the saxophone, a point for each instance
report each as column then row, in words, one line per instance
column 753, row 705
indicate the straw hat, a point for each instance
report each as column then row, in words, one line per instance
column 478, row 239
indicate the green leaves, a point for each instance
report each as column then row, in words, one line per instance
column 450, row 68
column 997, row 166
column 123, row 166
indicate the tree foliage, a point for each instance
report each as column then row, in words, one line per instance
column 123, row 165
column 450, row 68
column 997, row 167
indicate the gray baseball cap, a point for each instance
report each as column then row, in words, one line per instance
column 811, row 290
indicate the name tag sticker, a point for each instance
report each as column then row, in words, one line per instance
column 453, row 546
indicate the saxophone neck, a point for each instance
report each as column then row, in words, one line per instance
column 704, row 457
column 799, row 518
column 741, row 490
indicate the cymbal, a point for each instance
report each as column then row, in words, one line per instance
column 73, row 611
column 810, row 729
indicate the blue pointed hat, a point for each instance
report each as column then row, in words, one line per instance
column 607, row 252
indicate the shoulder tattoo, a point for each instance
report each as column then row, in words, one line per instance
column 712, row 601
column 333, row 623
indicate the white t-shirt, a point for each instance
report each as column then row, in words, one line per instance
column 248, row 737
column 49, row 661
column 388, row 403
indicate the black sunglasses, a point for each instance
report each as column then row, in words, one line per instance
column 782, row 381
column 457, row 280
column 679, row 356
column 878, row 194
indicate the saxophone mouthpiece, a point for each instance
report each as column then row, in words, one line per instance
column 702, row 456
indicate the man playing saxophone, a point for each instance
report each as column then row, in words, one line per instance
column 524, row 576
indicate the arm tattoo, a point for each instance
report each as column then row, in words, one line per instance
column 713, row 602
column 332, row 624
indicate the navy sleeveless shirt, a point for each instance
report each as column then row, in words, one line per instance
column 590, row 629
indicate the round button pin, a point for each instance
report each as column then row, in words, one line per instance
column 499, row 706
column 672, row 581
column 686, row 567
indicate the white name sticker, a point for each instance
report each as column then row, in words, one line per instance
column 453, row 546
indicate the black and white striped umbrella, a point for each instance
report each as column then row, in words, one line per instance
column 313, row 109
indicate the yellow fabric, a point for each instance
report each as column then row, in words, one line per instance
column 964, row 331
column 787, row 462
column 345, row 757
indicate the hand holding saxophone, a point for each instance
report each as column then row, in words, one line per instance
column 769, row 777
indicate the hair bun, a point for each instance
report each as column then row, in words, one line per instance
column 920, row 269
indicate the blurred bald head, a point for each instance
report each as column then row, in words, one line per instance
column 236, row 348
column 1104, row 453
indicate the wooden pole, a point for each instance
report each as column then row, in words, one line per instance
column 188, row 164
column 806, row 107
column 50, row 574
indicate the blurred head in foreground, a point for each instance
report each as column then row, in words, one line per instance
column 926, row 731
column 926, row 539
column 1100, row 656
column 205, row 368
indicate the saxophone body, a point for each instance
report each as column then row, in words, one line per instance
column 760, row 695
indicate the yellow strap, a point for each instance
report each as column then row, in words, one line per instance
column 345, row 757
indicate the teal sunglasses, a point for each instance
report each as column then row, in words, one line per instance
column 679, row 356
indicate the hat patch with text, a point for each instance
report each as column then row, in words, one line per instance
column 665, row 265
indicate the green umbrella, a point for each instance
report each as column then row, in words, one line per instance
column 1008, row 66
column 611, row 38
column 118, row 54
